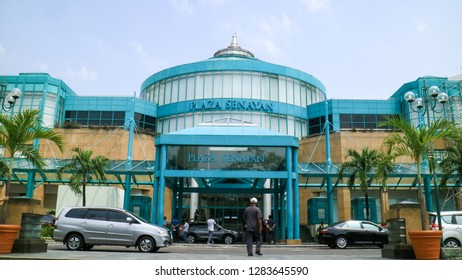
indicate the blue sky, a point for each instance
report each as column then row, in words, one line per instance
column 358, row 49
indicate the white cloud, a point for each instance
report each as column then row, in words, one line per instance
column 267, row 44
column 2, row 49
column 422, row 27
column 188, row 7
column 43, row 67
column 138, row 48
column 85, row 73
column 314, row 6
column 183, row 6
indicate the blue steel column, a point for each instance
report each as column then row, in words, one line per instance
column 31, row 176
column 128, row 179
column 161, row 191
column 290, row 203
column 330, row 199
column 428, row 193
column 283, row 205
column 155, row 189
column 276, row 210
column 30, row 184
column 296, row 197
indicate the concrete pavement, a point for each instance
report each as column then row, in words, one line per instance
column 201, row 251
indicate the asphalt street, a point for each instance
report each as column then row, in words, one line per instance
column 202, row 251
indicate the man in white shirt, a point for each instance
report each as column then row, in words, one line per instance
column 211, row 228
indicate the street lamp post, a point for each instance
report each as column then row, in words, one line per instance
column 8, row 100
column 423, row 105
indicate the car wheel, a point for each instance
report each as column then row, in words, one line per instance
column 74, row 242
column 341, row 242
column 146, row 244
column 228, row 239
column 451, row 242
column 191, row 239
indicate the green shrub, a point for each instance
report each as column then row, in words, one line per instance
column 47, row 231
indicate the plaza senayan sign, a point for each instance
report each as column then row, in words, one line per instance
column 226, row 158
column 231, row 104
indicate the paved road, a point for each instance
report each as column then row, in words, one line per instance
column 57, row 251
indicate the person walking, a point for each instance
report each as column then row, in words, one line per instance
column 270, row 225
column 253, row 220
column 211, row 228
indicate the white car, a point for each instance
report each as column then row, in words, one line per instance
column 451, row 222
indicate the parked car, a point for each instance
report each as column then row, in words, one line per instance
column 199, row 231
column 451, row 223
column 84, row 227
column 352, row 232
column 48, row 220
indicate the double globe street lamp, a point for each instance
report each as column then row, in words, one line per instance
column 8, row 100
column 423, row 105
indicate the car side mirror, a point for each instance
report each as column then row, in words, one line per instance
column 129, row 220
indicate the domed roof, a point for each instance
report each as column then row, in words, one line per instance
column 233, row 50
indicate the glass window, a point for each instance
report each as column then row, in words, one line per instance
column 370, row 227
column 282, row 89
column 246, row 86
column 237, row 85
column 162, row 93
column 190, row 88
column 273, row 89
column 95, row 114
column 96, row 214
column 217, row 85
column 227, row 85
column 256, row 87
column 182, row 89
column 168, row 91
column 199, row 92
column 77, row 213
column 116, row 216
column 208, row 86
column 458, row 219
column 297, row 98
column 174, row 93
column 290, row 91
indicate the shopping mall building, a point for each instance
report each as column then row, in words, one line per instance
column 209, row 135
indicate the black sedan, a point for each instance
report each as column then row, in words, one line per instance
column 199, row 231
column 342, row 234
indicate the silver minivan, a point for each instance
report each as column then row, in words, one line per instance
column 451, row 223
column 81, row 228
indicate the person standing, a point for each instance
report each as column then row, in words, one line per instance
column 175, row 228
column 196, row 215
column 211, row 228
column 270, row 225
column 185, row 230
column 254, row 225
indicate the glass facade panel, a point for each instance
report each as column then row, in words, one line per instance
column 282, row 89
column 208, row 86
column 226, row 158
column 256, row 87
column 237, row 85
column 174, row 94
column 227, row 85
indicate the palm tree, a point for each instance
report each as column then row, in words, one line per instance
column 16, row 135
column 82, row 166
column 415, row 142
column 361, row 167
column 385, row 167
column 451, row 164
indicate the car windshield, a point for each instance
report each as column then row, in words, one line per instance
column 136, row 216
